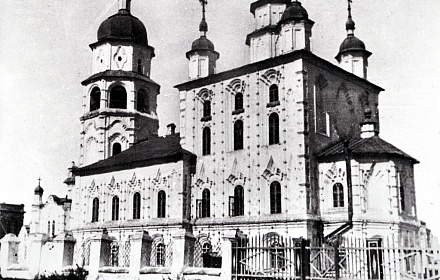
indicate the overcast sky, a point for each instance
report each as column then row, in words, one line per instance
column 44, row 55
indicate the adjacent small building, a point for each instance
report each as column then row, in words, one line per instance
column 11, row 218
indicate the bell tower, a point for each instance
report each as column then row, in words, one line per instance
column 202, row 56
column 120, row 99
column 353, row 55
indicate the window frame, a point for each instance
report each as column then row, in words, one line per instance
column 238, row 135
column 137, row 206
column 95, row 99
column 274, row 128
column 119, row 102
column 338, row 195
column 275, row 198
column 206, row 141
column 206, row 204
column 95, row 210
column 274, row 94
column 161, row 204
column 115, row 208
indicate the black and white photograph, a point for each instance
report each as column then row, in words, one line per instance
column 215, row 139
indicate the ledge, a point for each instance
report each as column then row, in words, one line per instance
column 112, row 269
column 155, row 270
column 202, row 271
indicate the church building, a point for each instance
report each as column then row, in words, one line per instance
column 287, row 145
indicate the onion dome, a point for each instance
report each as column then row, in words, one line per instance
column 202, row 44
column 123, row 26
column 351, row 43
column 294, row 11
column 38, row 190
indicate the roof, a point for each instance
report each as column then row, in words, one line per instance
column 61, row 201
column 156, row 150
column 123, row 26
column 118, row 74
column 294, row 11
column 273, row 62
column 352, row 44
column 373, row 146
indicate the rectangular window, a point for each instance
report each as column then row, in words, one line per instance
column 231, row 206
column 299, row 39
column 198, row 208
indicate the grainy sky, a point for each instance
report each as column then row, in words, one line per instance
column 44, row 55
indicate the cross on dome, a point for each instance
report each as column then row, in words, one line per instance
column 203, row 27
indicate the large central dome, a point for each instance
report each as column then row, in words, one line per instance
column 123, row 26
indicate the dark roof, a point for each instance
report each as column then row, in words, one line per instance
column 61, row 201
column 373, row 146
column 294, row 11
column 38, row 190
column 118, row 74
column 123, row 26
column 202, row 44
column 273, row 62
column 156, row 150
column 352, row 44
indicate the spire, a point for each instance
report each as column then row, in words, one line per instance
column 349, row 25
column 203, row 27
column 124, row 5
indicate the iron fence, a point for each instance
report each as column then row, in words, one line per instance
column 263, row 257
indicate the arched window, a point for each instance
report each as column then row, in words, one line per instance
column 277, row 255
column 206, row 108
column 275, row 198
column 140, row 66
column 161, row 204
column 274, row 134
column 142, row 102
column 160, row 254
column 95, row 209
column 206, row 203
column 118, row 98
column 238, row 135
column 338, row 195
column 95, row 99
column 206, row 141
column 237, row 202
column 115, row 208
column 238, row 101
column 273, row 93
column 116, row 149
column 137, row 206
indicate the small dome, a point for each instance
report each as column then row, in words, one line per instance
column 295, row 11
column 352, row 43
column 123, row 26
column 349, row 25
column 38, row 190
column 202, row 43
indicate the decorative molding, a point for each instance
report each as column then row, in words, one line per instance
column 204, row 94
column 235, row 86
column 271, row 76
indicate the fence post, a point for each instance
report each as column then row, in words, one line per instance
column 36, row 243
column 9, row 252
column 336, row 257
column 227, row 256
column 305, row 259
column 140, row 251
column 100, row 250
column 183, row 251
column 61, row 252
